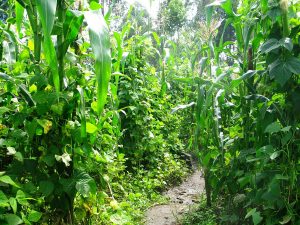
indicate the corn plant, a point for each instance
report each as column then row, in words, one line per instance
column 53, row 172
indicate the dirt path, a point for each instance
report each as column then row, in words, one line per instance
column 181, row 198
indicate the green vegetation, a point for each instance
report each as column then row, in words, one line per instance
column 100, row 101
column 202, row 215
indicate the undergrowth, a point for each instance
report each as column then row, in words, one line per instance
column 201, row 214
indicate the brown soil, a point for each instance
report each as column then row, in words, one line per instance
column 181, row 199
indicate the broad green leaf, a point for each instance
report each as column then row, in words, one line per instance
column 227, row 6
column 270, row 45
column 3, row 110
column 273, row 193
column 273, row 128
column 46, row 124
column 91, row 128
column 293, row 65
column 287, row 43
column 100, row 42
column 85, row 184
column 46, row 10
column 7, row 180
column 119, row 218
column 286, row 129
column 13, row 204
column 286, row 138
column 280, row 71
column 71, row 27
column 273, row 44
column 95, row 6
column 256, row 218
column 46, row 187
column 12, row 219
column 21, row 197
column 34, row 216
column 3, row 200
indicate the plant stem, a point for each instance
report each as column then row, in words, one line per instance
column 60, row 42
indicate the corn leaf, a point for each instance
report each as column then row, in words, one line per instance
column 82, row 112
column 71, row 27
column 100, row 42
column 46, row 10
column 19, row 16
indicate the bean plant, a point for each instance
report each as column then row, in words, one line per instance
column 246, row 116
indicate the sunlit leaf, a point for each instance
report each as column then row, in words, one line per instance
column 34, row 216
column 21, row 198
column 19, row 16
column 7, row 180
column 100, row 42
column 13, row 204
column 47, row 11
column 71, row 27
column 91, row 128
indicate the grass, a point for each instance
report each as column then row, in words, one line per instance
column 201, row 214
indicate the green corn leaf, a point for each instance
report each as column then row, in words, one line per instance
column 46, row 10
column 245, row 76
column 82, row 112
column 180, row 107
column 10, row 47
column 71, row 27
column 19, row 16
column 100, row 42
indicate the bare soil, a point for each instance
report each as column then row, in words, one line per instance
column 181, row 199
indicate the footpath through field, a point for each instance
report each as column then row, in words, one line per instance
column 181, row 199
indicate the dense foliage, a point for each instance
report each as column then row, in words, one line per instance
column 247, row 114
column 98, row 106
column 86, row 133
